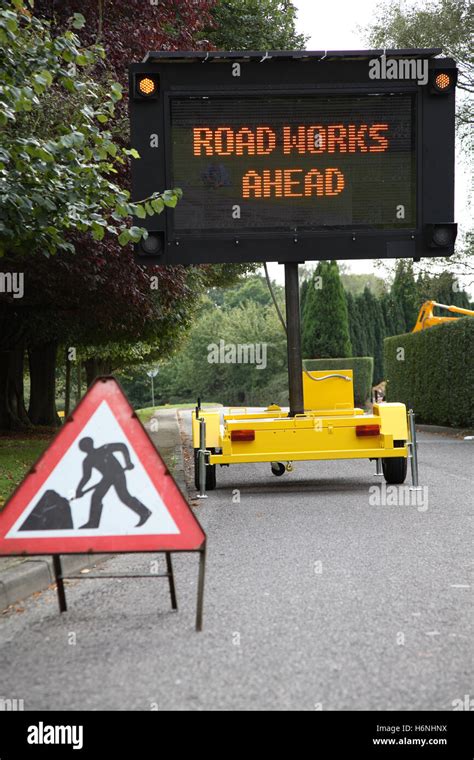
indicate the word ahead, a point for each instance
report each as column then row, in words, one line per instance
column 292, row 183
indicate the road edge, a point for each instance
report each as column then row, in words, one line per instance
column 444, row 430
column 36, row 574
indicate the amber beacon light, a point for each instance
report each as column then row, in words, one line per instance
column 443, row 82
column 146, row 86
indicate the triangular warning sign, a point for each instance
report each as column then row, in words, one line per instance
column 101, row 486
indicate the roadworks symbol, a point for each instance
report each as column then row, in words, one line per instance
column 107, row 475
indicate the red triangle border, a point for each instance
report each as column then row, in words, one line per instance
column 191, row 536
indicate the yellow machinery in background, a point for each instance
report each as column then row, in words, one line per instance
column 330, row 427
column 426, row 318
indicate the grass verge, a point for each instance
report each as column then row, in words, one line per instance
column 17, row 455
column 19, row 451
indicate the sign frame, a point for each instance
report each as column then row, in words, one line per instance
column 292, row 73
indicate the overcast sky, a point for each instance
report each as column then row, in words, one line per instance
column 336, row 26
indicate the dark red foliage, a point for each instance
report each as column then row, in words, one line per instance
column 128, row 29
column 92, row 297
column 99, row 293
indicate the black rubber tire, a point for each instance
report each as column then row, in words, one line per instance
column 211, row 478
column 395, row 469
column 278, row 469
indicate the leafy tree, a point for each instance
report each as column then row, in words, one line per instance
column 463, row 260
column 443, row 288
column 128, row 29
column 373, row 318
column 393, row 315
column 225, row 275
column 355, row 325
column 355, row 283
column 368, row 327
column 303, row 295
column 438, row 23
column 57, row 163
column 198, row 369
column 101, row 296
column 228, row 315
column 255, row 25
column 367, row 311
column 404, row 291
column 379, row 335
column 252, row 289
column 325, row 329
column 99, row 301
column 53, row 117
column 168, row 26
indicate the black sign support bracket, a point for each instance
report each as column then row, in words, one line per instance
column 293, row 330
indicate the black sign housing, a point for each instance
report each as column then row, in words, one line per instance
column 294, row 156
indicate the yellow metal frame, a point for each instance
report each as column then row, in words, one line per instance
column 327, row 432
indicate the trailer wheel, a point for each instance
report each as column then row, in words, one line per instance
column 395, row 469
column 278, row 469
column 211, row 480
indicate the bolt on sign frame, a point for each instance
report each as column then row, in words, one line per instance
column 294, row 156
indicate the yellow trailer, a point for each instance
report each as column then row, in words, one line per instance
column 330, row 427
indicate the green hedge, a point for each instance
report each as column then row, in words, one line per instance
column 436, row 374
column 363, row 367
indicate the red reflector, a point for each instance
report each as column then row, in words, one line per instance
column 242, row 435
column 368, row 430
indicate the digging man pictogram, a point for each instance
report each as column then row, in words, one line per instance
column 103, row 460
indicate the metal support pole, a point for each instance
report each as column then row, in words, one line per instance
column 378, row 467
column 169, row 570
column 293, row 324
column 58, row 573
column 202, row 459
column 414, row 452
column 201, row 582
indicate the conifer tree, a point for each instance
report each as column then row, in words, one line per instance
column 325, row 331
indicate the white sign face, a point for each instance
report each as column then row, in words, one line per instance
column 99, row 488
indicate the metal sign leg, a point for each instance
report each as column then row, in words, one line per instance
column 202, row 459
column 201, row 582
column 414, row 452
column 169, row 570
column 58, row 573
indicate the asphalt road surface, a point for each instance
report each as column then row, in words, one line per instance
column 316, row 598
